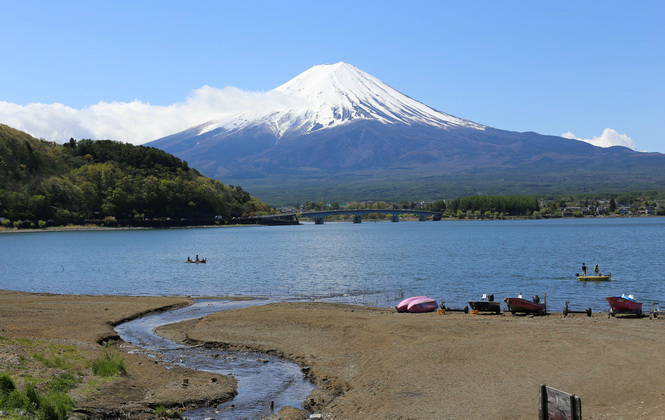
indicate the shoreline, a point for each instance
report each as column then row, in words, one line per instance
column 90, row 228
column 367, row 361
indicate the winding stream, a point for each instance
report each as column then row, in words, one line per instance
column 262, row 378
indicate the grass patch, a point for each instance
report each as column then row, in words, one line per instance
column 162, row 412
column 24, row 342
column 111, row 364
column 53, row 405
column 63, row 382
column 53, row 362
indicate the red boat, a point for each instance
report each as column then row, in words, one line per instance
column 624, row 305
column 526, row 306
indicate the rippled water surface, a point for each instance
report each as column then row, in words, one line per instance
column 451, row 261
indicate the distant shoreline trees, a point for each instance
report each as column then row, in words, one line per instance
column 502, row 207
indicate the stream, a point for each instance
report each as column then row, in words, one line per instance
column 262, row 378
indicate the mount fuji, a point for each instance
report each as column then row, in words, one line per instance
column 342, row 134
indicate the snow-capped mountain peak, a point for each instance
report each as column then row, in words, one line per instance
column 330, row 95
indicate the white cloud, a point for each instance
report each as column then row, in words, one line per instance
column 610, row 137
column 136, row 122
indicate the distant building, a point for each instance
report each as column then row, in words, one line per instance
column 569, row 211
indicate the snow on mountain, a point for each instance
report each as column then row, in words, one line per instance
column 331, row 95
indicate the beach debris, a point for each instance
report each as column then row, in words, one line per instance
column 655, row 310
column 567, row 310
column 445, row 309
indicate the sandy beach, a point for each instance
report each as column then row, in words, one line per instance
column 366, row 362
column 376, row 363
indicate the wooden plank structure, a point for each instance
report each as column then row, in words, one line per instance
column 558, row 405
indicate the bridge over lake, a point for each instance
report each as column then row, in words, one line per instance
column 319, row 216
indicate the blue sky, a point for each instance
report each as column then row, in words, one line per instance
column 114, row 69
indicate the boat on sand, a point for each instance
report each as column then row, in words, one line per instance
column 417, row 304
column 526, row 306
column 487, row 304
column 624, row 305
column 422, row 305
column 403, row 305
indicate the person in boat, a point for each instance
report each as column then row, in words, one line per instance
column 189, row 259
column 197, row 258
column 584, row 269
column 596, row 270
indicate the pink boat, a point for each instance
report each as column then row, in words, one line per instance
column 422, row 305
column 404, row 305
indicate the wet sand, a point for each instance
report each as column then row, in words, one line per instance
column 366, row 362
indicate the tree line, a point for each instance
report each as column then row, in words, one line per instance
column 96, row 179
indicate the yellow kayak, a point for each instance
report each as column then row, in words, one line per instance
column 594, row 278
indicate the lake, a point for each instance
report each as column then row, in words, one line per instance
column 367, row 263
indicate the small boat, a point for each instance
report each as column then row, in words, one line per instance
column 485, row 305
column 624, row 305
column 526, row 306
column 422, row 305
column 404, row 305
column 606, row 277
column 203, row 261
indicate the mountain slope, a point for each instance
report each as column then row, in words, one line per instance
column 342, row 125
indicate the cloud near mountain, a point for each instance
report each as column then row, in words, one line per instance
column 137, row 122
column 608, row 138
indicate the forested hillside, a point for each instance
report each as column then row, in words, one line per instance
column 88, row 179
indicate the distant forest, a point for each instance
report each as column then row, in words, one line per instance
column 97, row 179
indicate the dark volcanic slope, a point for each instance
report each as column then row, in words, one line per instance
column 378, row 153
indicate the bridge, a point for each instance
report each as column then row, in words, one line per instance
column 318, row 216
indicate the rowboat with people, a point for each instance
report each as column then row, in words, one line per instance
column 606, row 277
column 196, row 260
column 597, row 275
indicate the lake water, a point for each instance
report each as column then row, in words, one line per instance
column 369, row 263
